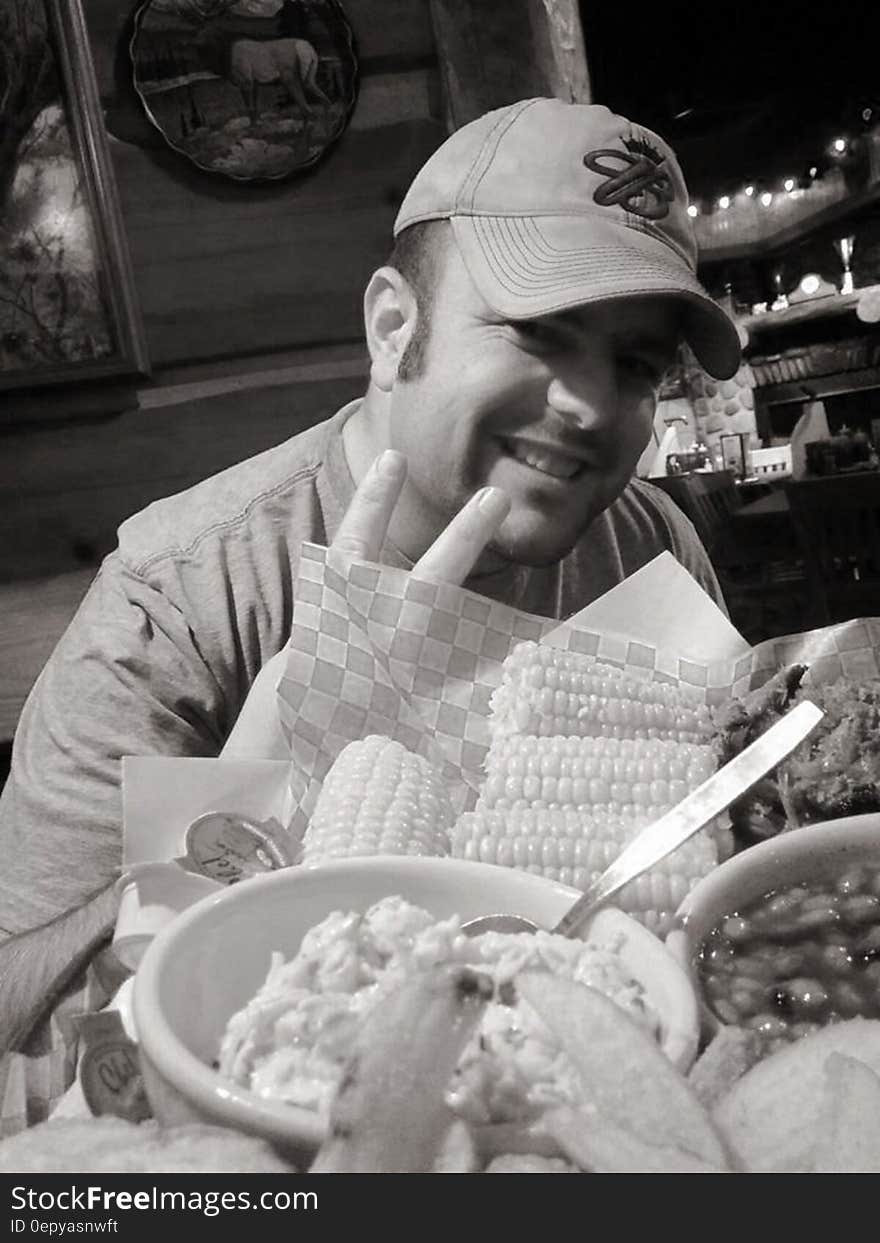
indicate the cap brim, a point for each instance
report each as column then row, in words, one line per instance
column 525, row 266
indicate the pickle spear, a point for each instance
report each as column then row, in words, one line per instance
column 389, row 1115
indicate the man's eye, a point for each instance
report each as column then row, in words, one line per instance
column 535, row 333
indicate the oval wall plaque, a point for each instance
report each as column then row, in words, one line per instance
column 254, row 90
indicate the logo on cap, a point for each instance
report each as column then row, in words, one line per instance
column 636, row 180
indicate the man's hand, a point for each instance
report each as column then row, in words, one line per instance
column 257, row 732
column 456, row 550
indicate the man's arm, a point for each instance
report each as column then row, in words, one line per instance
column 125, row 679
column 38, row 967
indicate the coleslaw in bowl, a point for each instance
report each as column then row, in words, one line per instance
column 212, row 962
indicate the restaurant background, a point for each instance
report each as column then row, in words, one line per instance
column 250, row 294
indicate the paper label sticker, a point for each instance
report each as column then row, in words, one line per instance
column 109, row 1070
column 227, row 847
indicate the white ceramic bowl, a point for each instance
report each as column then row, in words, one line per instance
column 211, row 960
column 805, row 854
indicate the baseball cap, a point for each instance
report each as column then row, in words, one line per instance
column 555, row 205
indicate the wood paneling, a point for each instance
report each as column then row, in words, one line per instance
column 64, row 492
column 401, row 26
column 225, row 270
column 391, row 98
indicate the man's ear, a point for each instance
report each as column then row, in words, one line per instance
column 389, row 320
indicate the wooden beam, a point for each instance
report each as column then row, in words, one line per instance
column 494, row 52
column 559, row 23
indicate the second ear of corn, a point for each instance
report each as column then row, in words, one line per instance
column 581, row 757
column 550, row 692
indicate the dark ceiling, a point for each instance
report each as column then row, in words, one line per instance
column 743, row 92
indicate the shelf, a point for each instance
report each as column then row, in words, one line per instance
column 805, row 312
column 818, row 386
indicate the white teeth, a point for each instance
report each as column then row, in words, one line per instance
column 545, row 460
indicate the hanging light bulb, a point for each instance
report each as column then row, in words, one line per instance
column 693, row 211
column 789, row 184
column 839, row 145
column 724, row 202
column 749, row 190
column 766, row 198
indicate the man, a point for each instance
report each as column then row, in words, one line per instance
column 542, row 277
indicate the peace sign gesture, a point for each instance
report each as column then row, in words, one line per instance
column 457, row 548
column 361, row 534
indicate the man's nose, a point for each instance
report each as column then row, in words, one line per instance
column 584, row 394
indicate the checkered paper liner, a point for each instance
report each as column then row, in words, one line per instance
column 374, row 649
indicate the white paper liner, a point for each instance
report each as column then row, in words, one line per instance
column 163, row 794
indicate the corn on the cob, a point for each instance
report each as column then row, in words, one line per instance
column 651, row 774
column 581, row 757
column 548, row 691
column 379, row 799
column 573, row 847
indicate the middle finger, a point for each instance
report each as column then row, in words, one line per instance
column 457, row 548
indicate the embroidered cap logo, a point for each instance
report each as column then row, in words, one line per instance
column 636, row 181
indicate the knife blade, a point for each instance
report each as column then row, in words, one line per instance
column 661, row 837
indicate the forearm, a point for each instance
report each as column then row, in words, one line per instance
column 37, row 967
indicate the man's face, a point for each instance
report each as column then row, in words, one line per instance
column 556, row 411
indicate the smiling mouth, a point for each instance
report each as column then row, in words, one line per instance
column 545, row 461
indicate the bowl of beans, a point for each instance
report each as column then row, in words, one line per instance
column 784, row 937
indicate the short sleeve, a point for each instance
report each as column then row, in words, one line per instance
column 126, row 678
column 686, row 545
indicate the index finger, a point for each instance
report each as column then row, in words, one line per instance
column 364, row 525
column 457, row 548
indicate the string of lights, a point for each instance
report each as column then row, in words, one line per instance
column 840, row 151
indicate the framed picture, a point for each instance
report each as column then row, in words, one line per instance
column 68, row 307
column 253, row 90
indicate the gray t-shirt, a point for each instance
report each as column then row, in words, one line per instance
column 178, row 622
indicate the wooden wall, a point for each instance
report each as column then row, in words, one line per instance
column 251, row 298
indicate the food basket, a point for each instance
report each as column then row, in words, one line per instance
column 375, row 651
